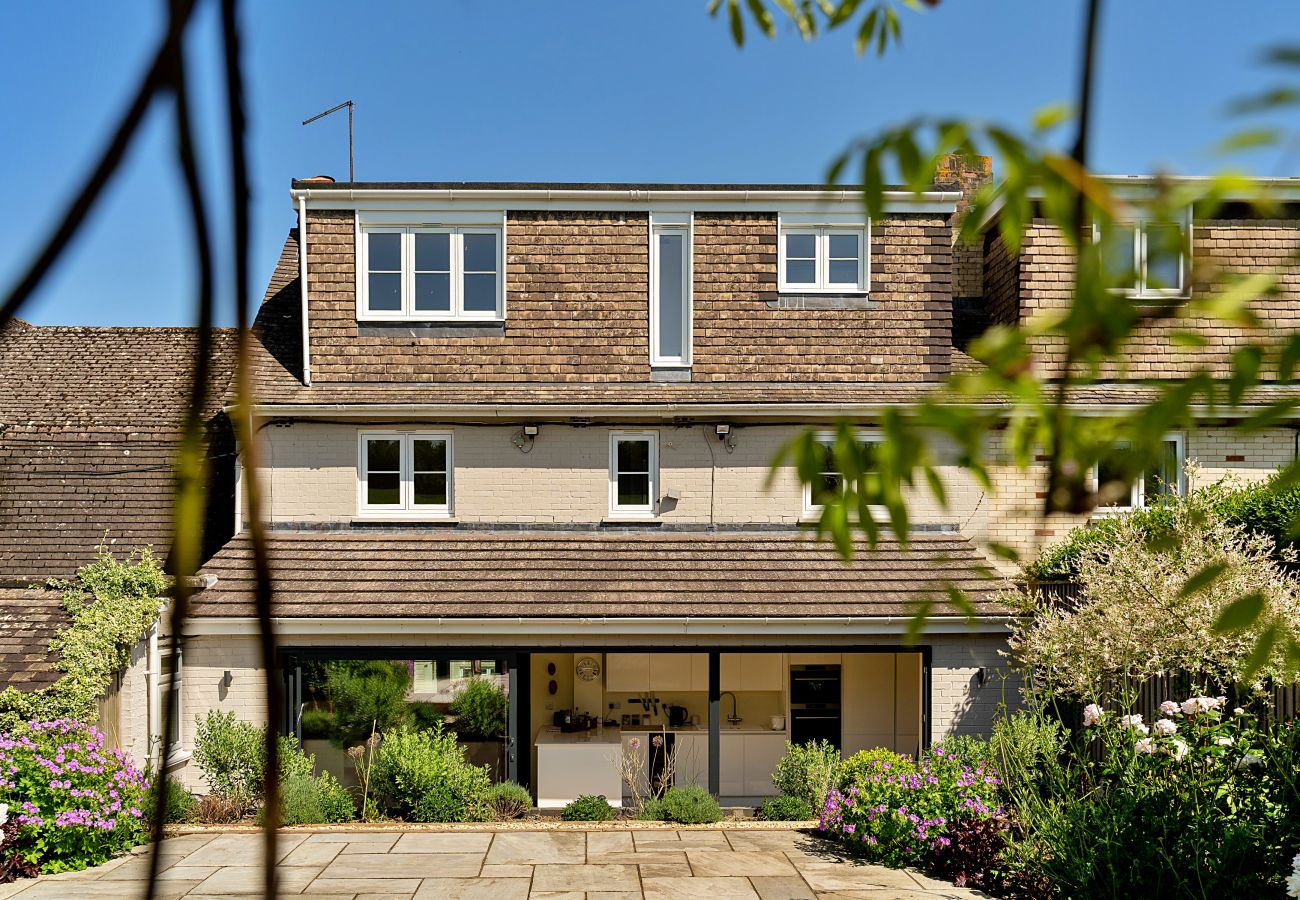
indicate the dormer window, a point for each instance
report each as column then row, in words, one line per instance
column 1146, row 257
column 1165, row 477
column 431, row 273
column 823, row 258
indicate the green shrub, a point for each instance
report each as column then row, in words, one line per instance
column 785, row 809
column 181, row 805
column 77, row 803
column 508, row 800
column 588, row 808
column 877, row 758
column 230, row 754
column 425, row 715
column 691, row 805
column 1026, row 744
column 314, row 800
column 318, row 723
column 809, row 771
column 480, row 709
column 653, row 811
column 423, row 776
column 367, row 695
column 969, row 750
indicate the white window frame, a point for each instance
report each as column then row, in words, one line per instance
column 1139, row 224
column 406, row 508
column 1137, row 490
column 175, row 751
column 408, row 312
column 813, row 510
column 651, row 509
column 684, row 224
column 822, row 233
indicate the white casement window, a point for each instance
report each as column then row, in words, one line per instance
column 670, row 290
column 830, row 482
column 1163, row 478
column 633, row 474
column 169, row 687
column 824, row 258
column 1146, row 257
column 431, row 273
column 406, row 474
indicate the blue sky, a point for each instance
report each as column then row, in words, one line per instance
column 564, row 91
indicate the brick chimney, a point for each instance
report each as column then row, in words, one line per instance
column 956, row 172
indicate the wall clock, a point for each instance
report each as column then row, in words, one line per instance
column 587, row 668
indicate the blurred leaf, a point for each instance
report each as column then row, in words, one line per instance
column 1046, row 118
column 1246, row 363
column 1250, row 139
column 737, row 22
column 1260, row 654
column 1240, row 613
column 916, row 625
column 1203, row 579
column 763, row 18
column 1285, row 55
column 1267, row 101
column 961, row 602
column 1183, row 338
column 1004, row 551
column 1289, row 357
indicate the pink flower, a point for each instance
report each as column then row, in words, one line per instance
column 1145, row 745
column 1091, row 715
column 1169, row 708
column 1165, row 727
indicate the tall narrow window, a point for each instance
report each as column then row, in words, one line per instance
column 633, row 473
column 169, row 687
column 404, row 474
column 431, row 273
column 670, row 294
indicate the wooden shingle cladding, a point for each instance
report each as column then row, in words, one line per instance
column 501, row 574
column 577, row 307
column 90, row 419
column 1044, row 277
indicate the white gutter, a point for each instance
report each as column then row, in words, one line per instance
column 632, row 410
column 624, row 198
column 302, row 287
column 604, row 626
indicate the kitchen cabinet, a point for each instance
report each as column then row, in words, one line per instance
column 747, row 761
column 692, row 757
column 627, row 673
column 699, row 671
column 752, row 672
column 679, row 672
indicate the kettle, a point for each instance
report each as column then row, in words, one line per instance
column 677, row 716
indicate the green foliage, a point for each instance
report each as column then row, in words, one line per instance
column 318, row 723
column 873, row 759
column 653, row 810
column 367, row 694
column 785, row 809
column 808, row 771
column 968, row 750
column 587, row 808
column 314, row 800
column 112, row 604
column 423, row 776
column 77, row 802
column 480, row 708
column 230, row 753
column 182, row 806
column 691, row 805
column 507, row 800
column 1266, row 507
column 1207, row 810
column 425, row 715
column 878, row 28
column 1027, row 744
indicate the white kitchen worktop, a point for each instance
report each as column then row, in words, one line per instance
column 547, row 738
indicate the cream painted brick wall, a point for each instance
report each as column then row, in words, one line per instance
column 565, row 478
column 133, row 716
column 207, row 658
column 958, row 703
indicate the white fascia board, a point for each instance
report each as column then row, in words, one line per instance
column 608, row 627
column 831, row 200
column 644, row 411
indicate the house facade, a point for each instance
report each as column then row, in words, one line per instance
column 527, row 431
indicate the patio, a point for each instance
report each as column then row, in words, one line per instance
column 624, row 864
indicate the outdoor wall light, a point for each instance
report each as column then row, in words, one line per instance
column 227, row 679
column 727, row 435
column 524, row 438
column 981, row 676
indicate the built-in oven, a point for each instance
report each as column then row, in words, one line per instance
column 815, row 704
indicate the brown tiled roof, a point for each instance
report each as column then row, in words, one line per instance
column 29, row 617
column 576, row 574
column 88, row 420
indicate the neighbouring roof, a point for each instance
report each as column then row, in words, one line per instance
column 309, row 184
column 488, row 574
column 29, row 617
column 88, row 422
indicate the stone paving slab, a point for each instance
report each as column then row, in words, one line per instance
column 665, row 864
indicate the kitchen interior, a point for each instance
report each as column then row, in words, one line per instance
column 591, row 711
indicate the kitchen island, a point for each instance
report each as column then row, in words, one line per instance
column 572, row 764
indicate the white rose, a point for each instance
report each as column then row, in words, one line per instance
column 1248, row 761
column 1178, row 749
column 1165, row 727
column 1091, row 715
column 1169, row 708
column 1293, row 885
column 1223, row 741
column 1191, row 707
column 1238, row 711
column 1145, row 745
column 1132, row 721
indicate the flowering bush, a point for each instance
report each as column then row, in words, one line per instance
column 900, row 815
column 1293, row 880
column 78, row 803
